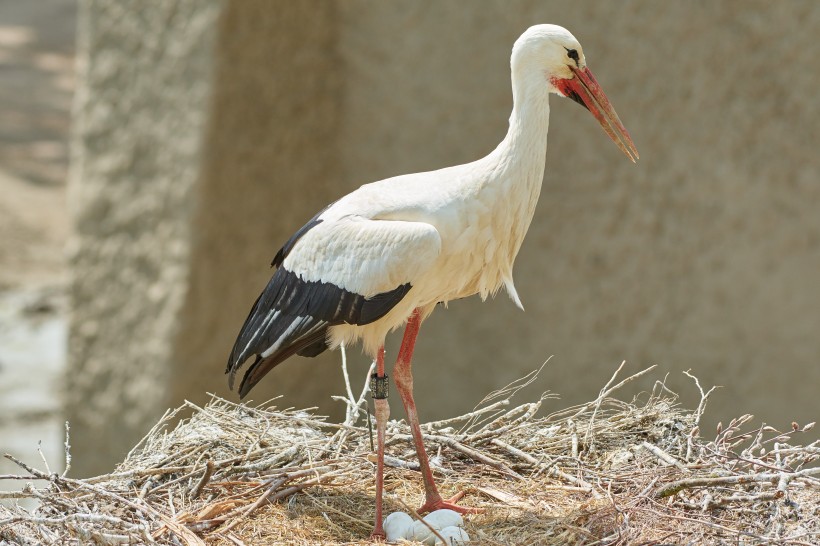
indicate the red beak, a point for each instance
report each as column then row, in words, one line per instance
column 584, row 89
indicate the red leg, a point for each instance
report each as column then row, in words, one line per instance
column 404, row 383
column 382, row 413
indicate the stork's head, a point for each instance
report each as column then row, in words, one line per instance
column 550, row 56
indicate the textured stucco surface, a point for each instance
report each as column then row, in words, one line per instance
column 270, row 163
column 140, row 112
column 704, row 255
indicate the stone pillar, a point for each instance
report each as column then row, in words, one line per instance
column 204, row 133
column 144, row 86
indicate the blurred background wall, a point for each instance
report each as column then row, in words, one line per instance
column 205, row 133
column 36, row 86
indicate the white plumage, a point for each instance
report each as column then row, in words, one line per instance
column 393, row 249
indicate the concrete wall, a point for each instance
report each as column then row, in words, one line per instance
column 705, row 255
column 140, row 112
column 270, row 163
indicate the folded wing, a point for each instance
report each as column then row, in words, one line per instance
column 351, row 270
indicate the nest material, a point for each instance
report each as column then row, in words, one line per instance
column 606, row 472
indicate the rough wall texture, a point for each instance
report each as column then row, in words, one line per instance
column 705, row 255
column 140, row 112
column 270, row 164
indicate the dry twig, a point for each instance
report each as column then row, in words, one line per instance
column 230, row 471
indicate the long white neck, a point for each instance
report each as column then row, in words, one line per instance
column 518, row 161
column 519, row 158
column 510, row 183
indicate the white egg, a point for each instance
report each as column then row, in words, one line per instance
column 398, row 525
column 423, row 534
column 444, row 518
column 453, row 536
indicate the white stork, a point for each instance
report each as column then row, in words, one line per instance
column 387, row 253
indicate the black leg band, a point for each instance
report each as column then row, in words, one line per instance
column 379, row 386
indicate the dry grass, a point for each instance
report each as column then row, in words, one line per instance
column 607, row 472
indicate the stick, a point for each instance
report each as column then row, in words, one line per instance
column 33, row 471
column 515, row 451
column 572, row 479
column 606, row 391
column 280, row 495
column 347, row 382
column 664, row 456
column 573, row 438
column 468, row 451
column 723, row 501
column 209, row 470
column 585, row 407
column 186, row 534
column 467, row 416
column 492, row 430
column 704, row 397
column 67, row 450
column 762, row 477
column 354, row 406
column 722, row 528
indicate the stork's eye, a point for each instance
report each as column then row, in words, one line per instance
column 572, row 54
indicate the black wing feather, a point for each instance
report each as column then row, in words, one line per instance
column 261, row 366
column 292, row 316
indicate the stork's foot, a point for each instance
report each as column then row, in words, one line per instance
column 450, row 504
column 378, row 534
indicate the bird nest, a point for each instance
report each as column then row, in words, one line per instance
column 606, row 472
